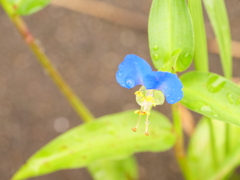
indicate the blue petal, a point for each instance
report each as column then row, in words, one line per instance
column 132, row 71
column 166, row 82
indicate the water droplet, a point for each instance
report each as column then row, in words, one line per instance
column 155, row 47
column 167, row 95
column 230, row 98
column 184, row 59
column 171, row 101
column 186, row 55
column 130, row 82
column 206, row 108
column 202, row 107
column 179, row 98
column 215, row 83
column 119, row 74
column 156, row 56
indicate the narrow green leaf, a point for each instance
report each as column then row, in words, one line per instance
column 109, row 138
column 200, row 54
column 170, row 28
column 125, row 169
column 212, row 95
column 199, row 148
column 27, row 7
column 230, row 163
column 219, row 19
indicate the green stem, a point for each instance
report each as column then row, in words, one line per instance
column 213, row 143
column 201, row 56
column 200, row 53
column 179, row 145
column 218, row 16
column 75, row 102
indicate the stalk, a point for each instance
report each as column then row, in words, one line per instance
column 48, row 67
column 179, row 145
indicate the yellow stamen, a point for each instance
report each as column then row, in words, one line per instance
column 138, row 94
column 148, row 99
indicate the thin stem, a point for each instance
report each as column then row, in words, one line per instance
column 218, row 16
column 75, row 102
column 200, row 52
column 201, row 57
column 179, row 145
column 213, row 143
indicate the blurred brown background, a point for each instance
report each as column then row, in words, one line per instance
column 86, row 50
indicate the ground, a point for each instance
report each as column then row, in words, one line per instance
column 86, row 51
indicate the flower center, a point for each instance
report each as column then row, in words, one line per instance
column 147, row 98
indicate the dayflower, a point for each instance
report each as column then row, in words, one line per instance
column 135, row 71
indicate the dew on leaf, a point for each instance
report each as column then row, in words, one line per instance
column 155, row 47
column 206, row 109
column 230, row 98
column 215, row 83
column 156, row 56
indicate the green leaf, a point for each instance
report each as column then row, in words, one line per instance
column 125, row 169
column 212, row 95
column 227, row 167
column 200, row 158
column 200, row 53
column 170, row 28
column 108, row 138
column 13, row 1
column 27, row 7
column 219, row 19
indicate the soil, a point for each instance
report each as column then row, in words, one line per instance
column 86, row 51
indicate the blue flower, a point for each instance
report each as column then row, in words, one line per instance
column 135, row 71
